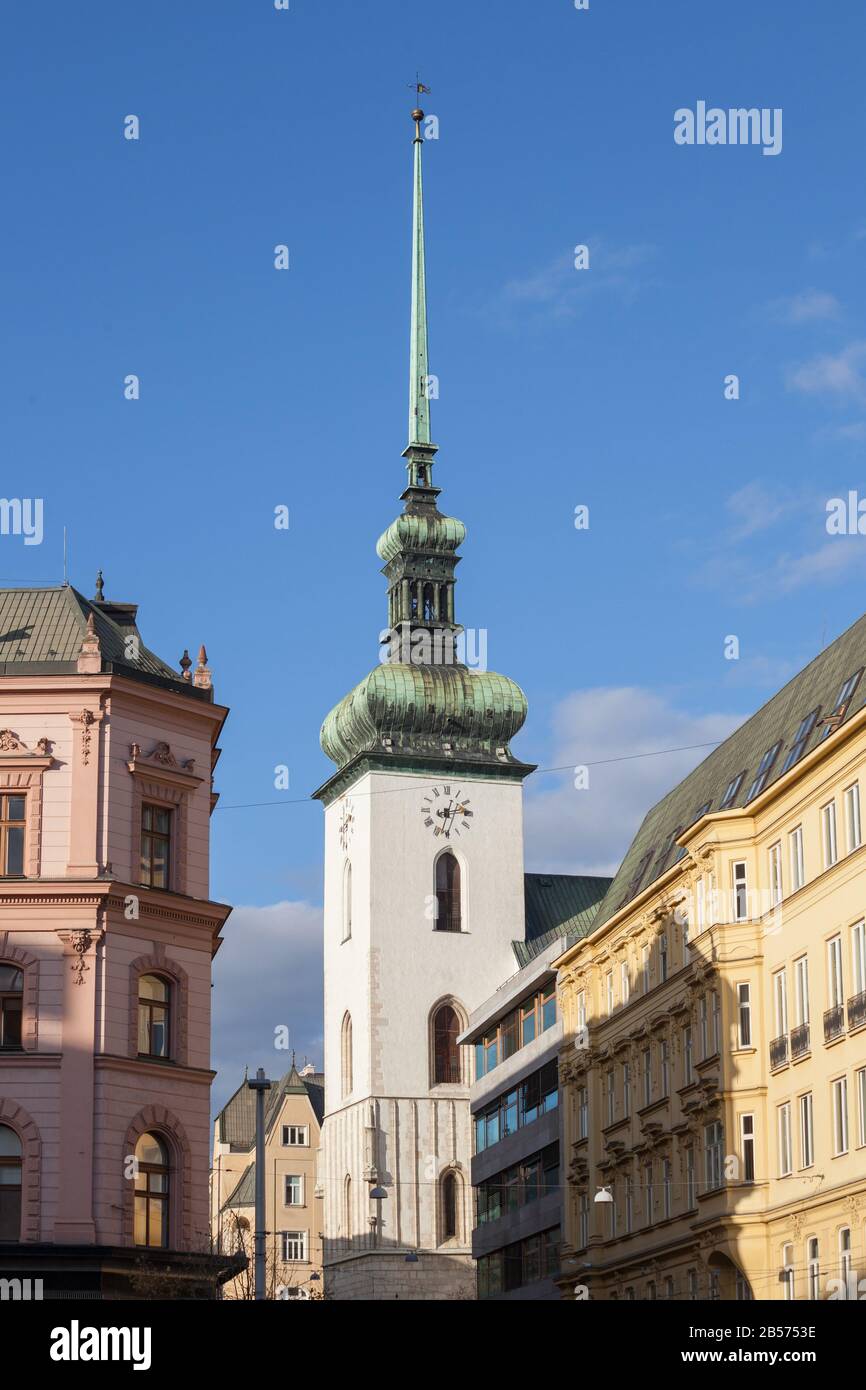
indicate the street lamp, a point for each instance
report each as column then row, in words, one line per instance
column 603, row 1195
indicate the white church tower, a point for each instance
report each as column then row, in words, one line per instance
column 423, row 898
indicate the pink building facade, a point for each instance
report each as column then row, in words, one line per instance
column 107, row 935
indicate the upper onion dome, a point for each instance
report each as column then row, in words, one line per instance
column 415, row 532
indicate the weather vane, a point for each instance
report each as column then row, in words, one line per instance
column 418, row 86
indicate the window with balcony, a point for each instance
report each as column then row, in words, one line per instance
column 857, row 1002
column 834, row 1017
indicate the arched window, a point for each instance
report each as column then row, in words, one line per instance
column 447, row 892
column 151, row 1192
column 346, row 1055
column 446, row 1053
column 154, row 1008
column 450, row 1197
column 347, row 901
column 11, row 996
column 10, row 1184
column 241, row 1233
column 428, row 602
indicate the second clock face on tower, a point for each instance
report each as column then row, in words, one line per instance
column 446, row 811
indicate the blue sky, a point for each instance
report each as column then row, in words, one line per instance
column 558, row 387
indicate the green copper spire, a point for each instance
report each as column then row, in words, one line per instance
column 419, row 404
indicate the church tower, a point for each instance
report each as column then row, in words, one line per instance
column 423, row 897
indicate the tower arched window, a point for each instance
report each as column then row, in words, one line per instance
column 11, row 999
column 448, row 914
column 450, row 1194
column 446, row 1052
column 346, row 1056
column 152, row 1177
column 10, row 1184
column 347, row 901
column 428, row 603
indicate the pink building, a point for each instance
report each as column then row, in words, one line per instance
column 107, row 935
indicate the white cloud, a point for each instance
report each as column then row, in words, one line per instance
column 833, row 374
column 570, row 831
column 268, row 972
column 809, row 306
column 554, row 291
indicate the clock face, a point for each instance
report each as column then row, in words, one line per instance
column 446, row 811
column 347, row 824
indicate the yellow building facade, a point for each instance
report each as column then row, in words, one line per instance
column 713, row 1063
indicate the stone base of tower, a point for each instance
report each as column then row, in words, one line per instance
column 377, row 1277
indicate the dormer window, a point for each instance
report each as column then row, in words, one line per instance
column 801, row 738
column 840, row 708
column 763, row 772
column 731, row 791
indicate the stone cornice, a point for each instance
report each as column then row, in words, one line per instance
column 111, row 896
column 151, row 1070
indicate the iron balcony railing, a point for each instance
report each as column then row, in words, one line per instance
column 834, row 1023
column 800, row 1040
column 857, row 1010
column 779, row 1051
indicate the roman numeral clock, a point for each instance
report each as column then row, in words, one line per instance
column 446, row 811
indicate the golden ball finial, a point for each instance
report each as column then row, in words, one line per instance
column 417, row 114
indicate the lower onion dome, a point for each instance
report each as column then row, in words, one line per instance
column 420, row 709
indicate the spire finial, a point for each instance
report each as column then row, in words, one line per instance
column 419, row 404
column 98, row 596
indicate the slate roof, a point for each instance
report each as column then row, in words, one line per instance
column 237, row 1119
column 817, row 686
column 244, row 1195
column 558, row 905
column 41, row 632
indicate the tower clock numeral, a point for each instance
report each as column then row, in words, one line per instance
column 444, row 818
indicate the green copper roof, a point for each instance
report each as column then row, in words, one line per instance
column 558, row 905
column 432, row 531
column 419, row 708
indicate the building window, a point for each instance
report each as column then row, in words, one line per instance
column 840, row 1116
column 626, row 1090
column 688, row 1059
column 346, row 1056
column 446, row 1053
column 858, row 960
column 667, row 1186
column 448, row 907
column 665, row 1068
column 801, row 978
column 747, row 1146
column 807, row 1142
column 692, row 1283
column 583, row 1112
column 10, row 1184
column 151, row 1192
column 347, row 901
column 518, row 1028
column 835, row 983
column 788, row 1272
column 449, row 1190
column 744, row 1015
column 296, row 1136
column 780, row 1002
column 524, row 1262
column 775, row 858
column 828, row 834
column 583, row 1222
column 852, row 817
column 861, row 1105
column 783, row 1121
column 795, row 856
column 814, row 1269
column 669, row 1288
column 713, row 1155
column 611, row 1097
column 624, row 986
column 12, row 836
column 646, row 1058
column 295, row 1247
column 581, row 1010
column 11, row 998
column 764, row 769
column 608, row 985
column 155, row 846
column 649, row 1188
column 629, row 1206
column 645, row 968
column 154, row 1009
column 700, row 912
column 691, row 1185
column 845, row 1263
column 663, row 956
column 293, row 1195
column 740, row 892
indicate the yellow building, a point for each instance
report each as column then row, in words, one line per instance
column 293, row 1204
column 713, row 1061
